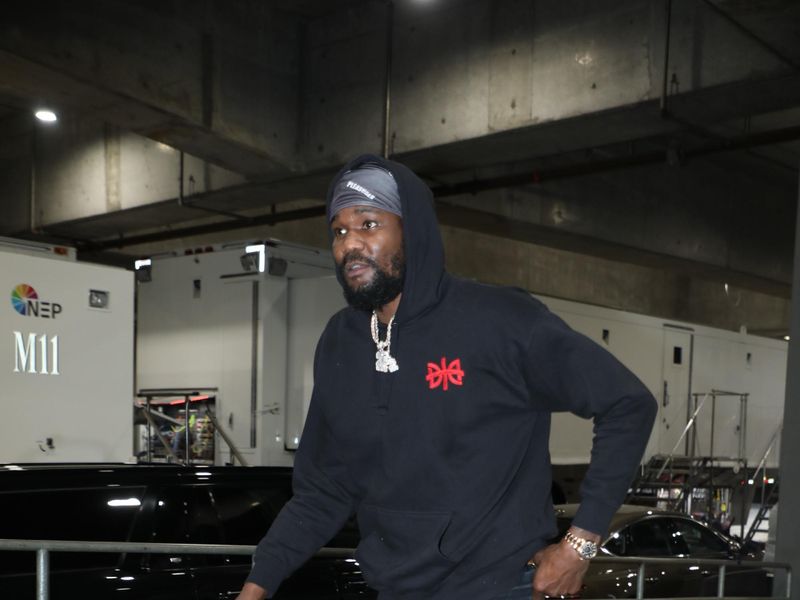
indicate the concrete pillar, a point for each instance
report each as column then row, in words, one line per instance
column 787, row 548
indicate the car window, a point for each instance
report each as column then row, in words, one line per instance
column 616, row 544
column 648, row 537
column 700, row 541
column 89, row 514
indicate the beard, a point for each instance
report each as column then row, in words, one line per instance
column 384, row 287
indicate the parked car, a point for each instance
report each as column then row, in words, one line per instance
column 647, row 532
column 154, row 503
column 235, row 505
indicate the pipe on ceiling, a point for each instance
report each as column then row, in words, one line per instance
column 388, row 90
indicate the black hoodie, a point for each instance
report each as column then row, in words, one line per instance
column 446, row 461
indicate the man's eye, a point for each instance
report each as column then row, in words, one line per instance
column 339, row 231
column 370, row 224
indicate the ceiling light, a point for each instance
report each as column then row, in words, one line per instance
column 255, row 257
column 46, row 116
column 125, row 502
column 144, row 270
column 786, row 337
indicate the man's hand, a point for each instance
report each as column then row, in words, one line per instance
column 251, row 591
column 559, row 569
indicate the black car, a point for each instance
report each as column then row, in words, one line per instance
column 158, row 503
column 235, row 505
column 640, row 531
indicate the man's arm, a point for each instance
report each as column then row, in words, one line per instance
column 324, row 497
column 569, row 372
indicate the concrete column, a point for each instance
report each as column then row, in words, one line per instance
column 787, row 548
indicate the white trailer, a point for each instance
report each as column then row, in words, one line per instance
column 242, row 320
column 206, row 321
column 679, row 362
column 66, row 378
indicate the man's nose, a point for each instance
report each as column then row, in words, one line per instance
column 353, row 240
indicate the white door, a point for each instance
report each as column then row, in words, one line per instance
column 675, row 391
column 311, row 304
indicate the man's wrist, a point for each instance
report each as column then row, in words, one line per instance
column 582, row 543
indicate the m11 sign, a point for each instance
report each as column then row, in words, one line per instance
column 28, row 360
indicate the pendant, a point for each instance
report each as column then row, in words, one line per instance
column 385, row 362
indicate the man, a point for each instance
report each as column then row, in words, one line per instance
column 430, row 417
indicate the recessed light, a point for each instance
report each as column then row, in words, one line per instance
column 46, row 116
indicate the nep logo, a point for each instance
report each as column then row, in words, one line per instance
column 26, row 302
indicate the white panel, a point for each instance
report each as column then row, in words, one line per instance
column 762, row 376
column 274, row 308
column 179, row 338
column 86, row 408
column 236, row 325
column 311, row 304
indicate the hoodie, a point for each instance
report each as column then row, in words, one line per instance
column 446, row 461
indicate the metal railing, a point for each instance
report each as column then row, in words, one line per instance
column 43, row 548
column 760, row 480
column 187, row 394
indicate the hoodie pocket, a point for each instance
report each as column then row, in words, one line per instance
column 401, row 550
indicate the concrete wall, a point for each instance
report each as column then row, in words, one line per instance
column 85, row 167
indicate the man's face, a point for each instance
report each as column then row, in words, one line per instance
column 368, row 251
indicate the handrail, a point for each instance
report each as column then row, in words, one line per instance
column 147, row 547
column 150, row 414
column 44, row 547
column 219, row 429
column 762, row 464
column 761, row 482
column 686, row 429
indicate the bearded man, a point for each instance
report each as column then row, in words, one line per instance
column 430, row 418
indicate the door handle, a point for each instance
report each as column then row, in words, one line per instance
column 665, row 399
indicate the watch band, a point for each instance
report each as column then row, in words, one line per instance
column 586, row 549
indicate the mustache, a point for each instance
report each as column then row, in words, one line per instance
column 354, row 256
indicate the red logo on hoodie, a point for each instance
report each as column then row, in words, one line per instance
column 444, row 374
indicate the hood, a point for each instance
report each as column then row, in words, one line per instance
column 422, row 242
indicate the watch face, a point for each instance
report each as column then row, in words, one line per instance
column 588, row 550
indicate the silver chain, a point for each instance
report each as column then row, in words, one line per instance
column 384, row 361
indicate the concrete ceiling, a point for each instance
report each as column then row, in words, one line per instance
column 507, row 108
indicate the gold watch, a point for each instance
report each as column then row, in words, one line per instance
column 586, row 549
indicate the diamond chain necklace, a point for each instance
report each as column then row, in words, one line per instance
column 384, row 361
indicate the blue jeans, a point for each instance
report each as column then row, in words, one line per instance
column 524, row 589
